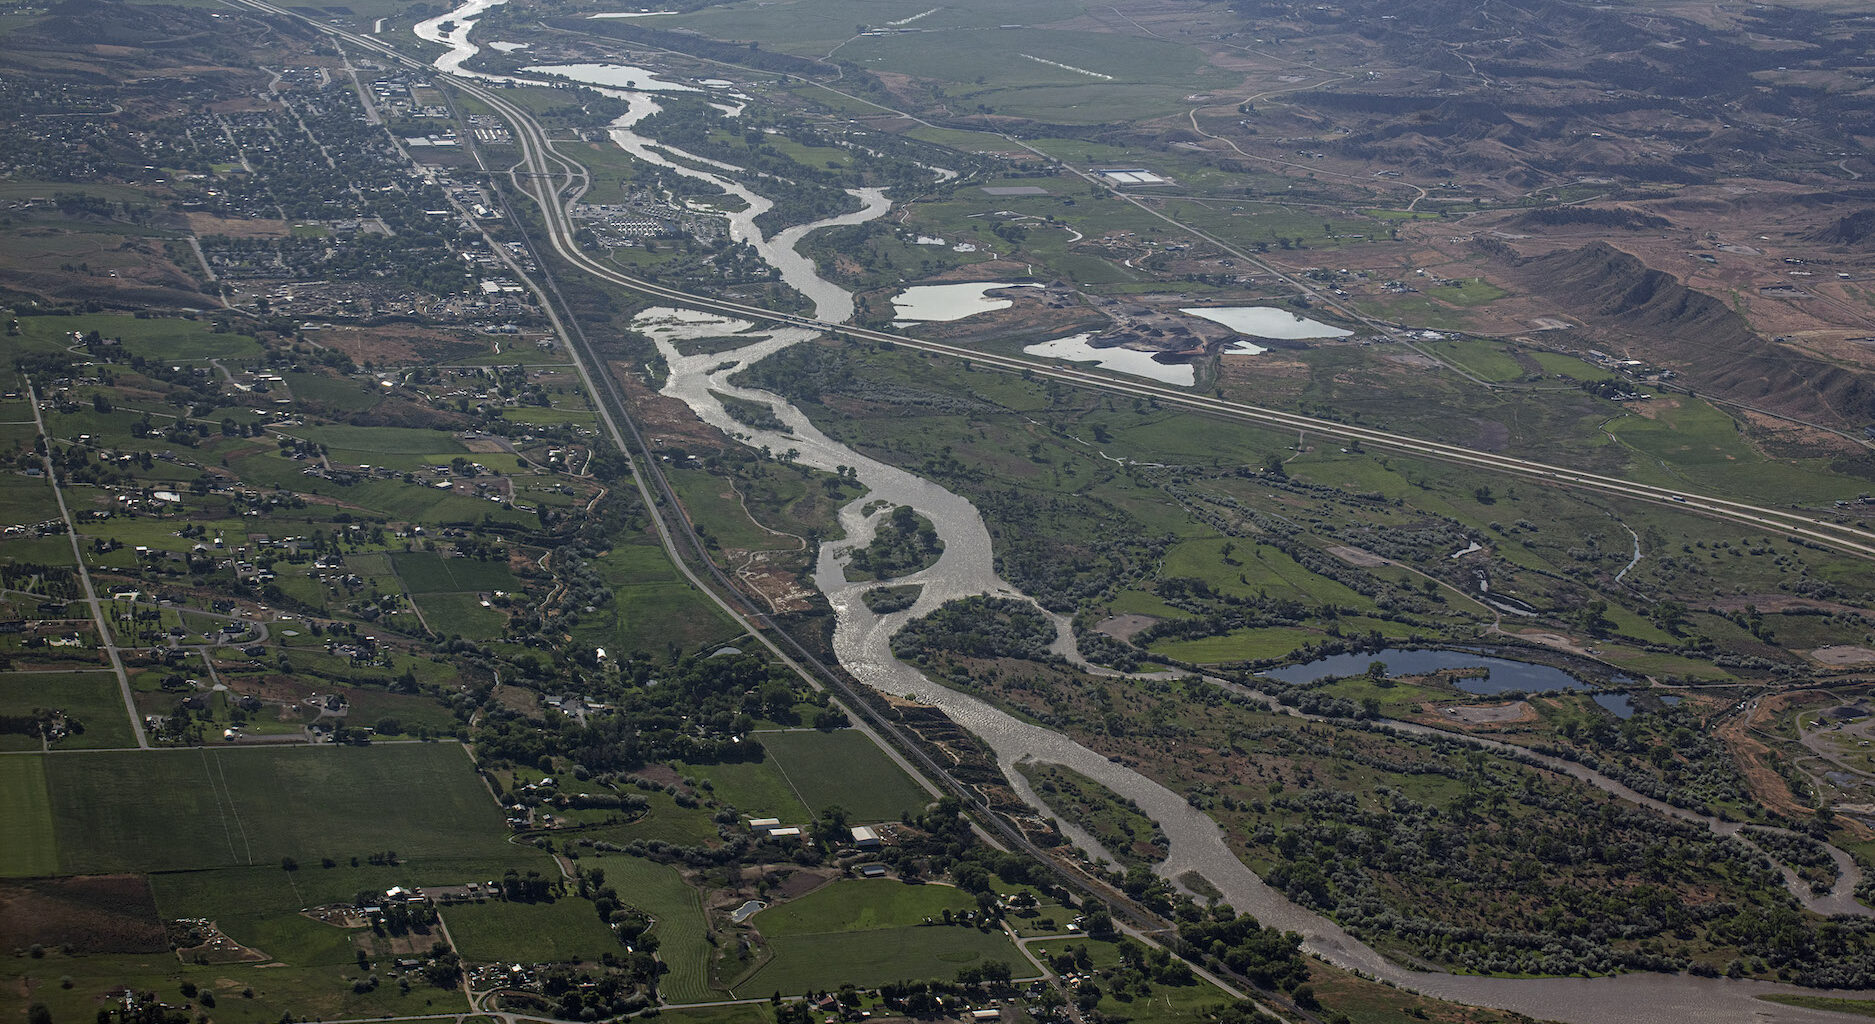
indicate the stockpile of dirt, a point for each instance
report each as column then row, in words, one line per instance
column 1650, row 314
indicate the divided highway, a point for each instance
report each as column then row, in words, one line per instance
column 555, row 182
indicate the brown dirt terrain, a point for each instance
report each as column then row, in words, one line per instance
column 401, row 343
column 774, row 577
column 1125, row 627
column 1844, row 654
column 88, row 913
column 216, row 947
column 1755, row 757
column 1356, row 556
column 1489, row 714
column 206, row 224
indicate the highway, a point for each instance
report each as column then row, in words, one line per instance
column 555, row 183
column 688, row 550
column 543, row 165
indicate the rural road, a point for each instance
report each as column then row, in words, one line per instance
column 105, row 638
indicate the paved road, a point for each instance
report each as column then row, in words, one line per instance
column 556, row 182
column 546, row 176
column 105, row 638
column 544, row 165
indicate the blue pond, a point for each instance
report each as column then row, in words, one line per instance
column 1617, row 704
column 1502, row 673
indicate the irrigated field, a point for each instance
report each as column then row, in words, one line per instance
column 844, row 769
column 91, row 701
column 564, row 930
column 27, row 845
column 871, row 933
column 683, row 941
column 183, row 809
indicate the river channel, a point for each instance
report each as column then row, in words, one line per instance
column 967, row 568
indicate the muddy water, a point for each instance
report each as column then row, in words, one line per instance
column 967, row 567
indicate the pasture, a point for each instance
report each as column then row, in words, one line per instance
column 425, row 572
column 862, row 906
column 871, row 933
column 652, row 607
column 170, row 810
column 755, row 788
column 1238, row 645
column 844, row 768
column 563, row 931
column 92, row 702
column 27, row 844
column 172, row 339
column 682, row 933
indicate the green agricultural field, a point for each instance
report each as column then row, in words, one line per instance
column 732, row 1013
column 323, row 991
column 28, row 502
column 425, row 572
column 804, row 963
column 537, row 416
column 1473, row 291
column 93, row 701
column 682, row 933
column 461, row 614
column 179, row 809
column 717, row 508
column 862, row 906
column 1687, row 442
column 369, row 706
column 844, row 768
column 1238, row 645
column 1557, row 364
column 665, row 822
column 652, row 607
column 27, row 845
column 870, row 933
column 1245, row 568
column 341, row 394
column 565, row 930
column 382, row 440
column 173, row 339
column 1487, row 359
column 756, row 788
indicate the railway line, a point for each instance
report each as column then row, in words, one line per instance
column 555, row 182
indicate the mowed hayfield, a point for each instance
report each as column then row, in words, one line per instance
column 682, row 933
column 845, row 768
column 871, row 933
column 184, row 809
column 564, row 930
column 426, row 572
column 27, row 845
